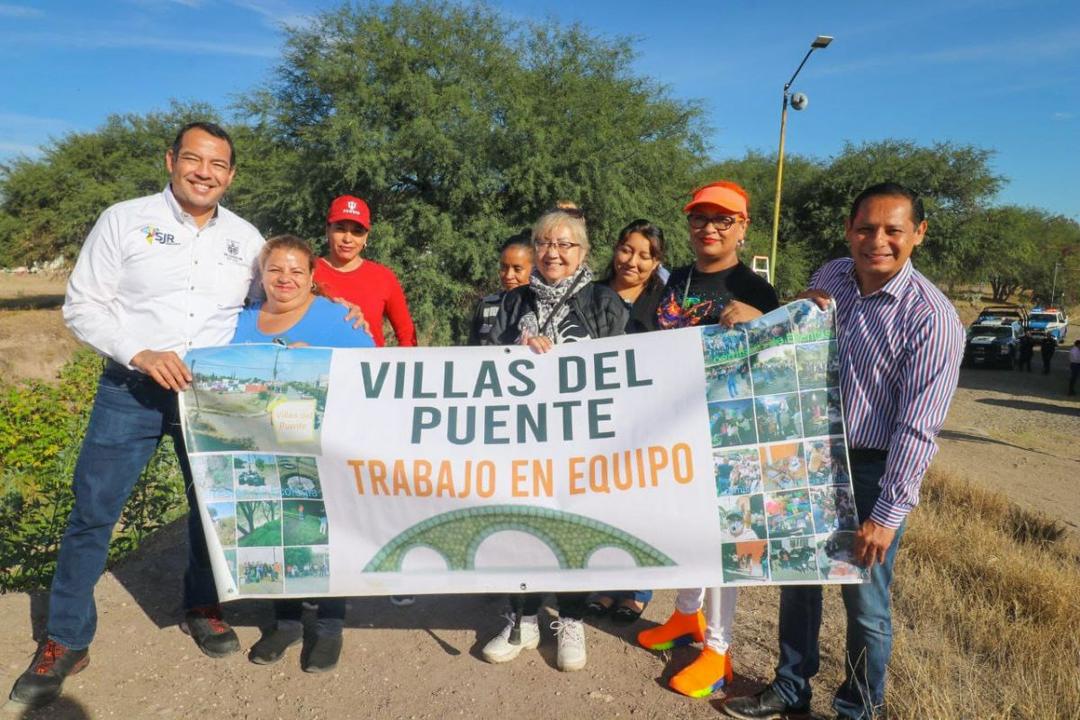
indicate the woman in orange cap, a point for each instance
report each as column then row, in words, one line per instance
column 365, row 283
column 715, row 289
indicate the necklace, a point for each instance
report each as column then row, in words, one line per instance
column 686, row 288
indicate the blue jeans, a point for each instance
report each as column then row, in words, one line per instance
column 131, row 414
column 869, row 624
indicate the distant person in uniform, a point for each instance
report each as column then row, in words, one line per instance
column 1074, row 366
column 515, row 266
column 1027, row 350
column 1047, row 349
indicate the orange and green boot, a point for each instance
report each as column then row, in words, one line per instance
column 701, row 678
column 680, row 629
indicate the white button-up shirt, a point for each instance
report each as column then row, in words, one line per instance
column 149, row 278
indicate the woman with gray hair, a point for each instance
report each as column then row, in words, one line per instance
column 561, row 304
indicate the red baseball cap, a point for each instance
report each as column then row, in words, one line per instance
column 347, row 207
column 726, row 195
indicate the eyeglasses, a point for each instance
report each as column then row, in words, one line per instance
column 560, row 245
column 720, row 222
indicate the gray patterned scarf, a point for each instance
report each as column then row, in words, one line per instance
column 552, row 303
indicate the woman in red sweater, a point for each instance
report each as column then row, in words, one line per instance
column 344, row 274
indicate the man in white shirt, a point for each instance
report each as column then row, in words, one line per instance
column 156, row 276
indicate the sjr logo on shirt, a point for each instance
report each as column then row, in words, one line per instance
column 154, row 235
column 232, row 252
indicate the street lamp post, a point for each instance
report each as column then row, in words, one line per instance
column 798, row 102
column 1053, row 290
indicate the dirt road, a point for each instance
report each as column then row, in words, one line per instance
column 33, row 340
column 1019, row 433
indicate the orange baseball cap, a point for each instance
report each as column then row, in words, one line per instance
column 727, row 195
column 348, row 207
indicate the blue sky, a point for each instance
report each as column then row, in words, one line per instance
column 1002, row 75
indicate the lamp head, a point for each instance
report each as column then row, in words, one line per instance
column 799, row 101
column 821, row 41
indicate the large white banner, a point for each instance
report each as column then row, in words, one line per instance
column 683, row 458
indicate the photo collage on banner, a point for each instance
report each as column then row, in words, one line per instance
column 784, row 498
column 268, row 514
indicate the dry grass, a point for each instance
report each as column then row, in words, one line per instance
column 987, row 611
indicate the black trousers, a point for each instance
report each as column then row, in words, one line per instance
column 571, row 604
column 330, row 619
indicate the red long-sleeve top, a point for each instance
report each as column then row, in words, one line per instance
column 376, row 290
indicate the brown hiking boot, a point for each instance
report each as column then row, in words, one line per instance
column 41, row 682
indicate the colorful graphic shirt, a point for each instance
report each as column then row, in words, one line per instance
column 692, row 297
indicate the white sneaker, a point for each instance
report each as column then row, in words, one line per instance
column 402, row 600
column 571, row 635
column 499, row 649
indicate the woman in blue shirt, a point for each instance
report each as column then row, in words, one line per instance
column 293, row 315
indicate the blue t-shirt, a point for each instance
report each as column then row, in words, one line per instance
column 323, row 325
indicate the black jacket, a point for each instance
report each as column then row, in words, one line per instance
column 600, row 309
column 483, row 316
column 643, row 312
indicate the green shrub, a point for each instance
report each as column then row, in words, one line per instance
column 41, row 430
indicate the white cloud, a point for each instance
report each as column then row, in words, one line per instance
column 26, row 134
column 9, row 150
column 13, row 123
column 185, row 3
column 276, row 13
column 171, row 44
column 19, row 11
column 1063, row 115
column 1036, row 48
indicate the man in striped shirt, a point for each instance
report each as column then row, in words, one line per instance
column 900, row 346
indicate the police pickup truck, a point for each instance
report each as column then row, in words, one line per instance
column 993, row 341
column 1048, row 322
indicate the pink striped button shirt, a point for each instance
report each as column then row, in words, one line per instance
column 900, row 350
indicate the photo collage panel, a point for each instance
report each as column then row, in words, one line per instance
column 269, row 516
column 277, row 403
column 783, row 483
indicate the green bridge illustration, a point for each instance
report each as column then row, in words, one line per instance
column 457, row 534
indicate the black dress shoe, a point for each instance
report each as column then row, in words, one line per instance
column 766, row 705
